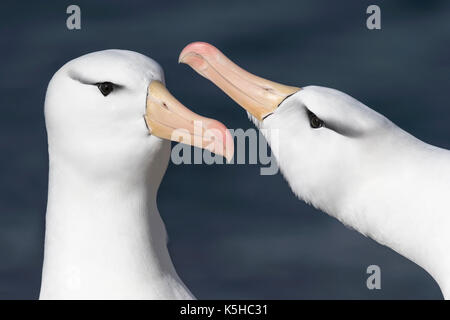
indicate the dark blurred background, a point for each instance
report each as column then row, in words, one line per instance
column 225, row 239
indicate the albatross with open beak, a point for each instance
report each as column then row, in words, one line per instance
column 109, row 120
column 347, row 160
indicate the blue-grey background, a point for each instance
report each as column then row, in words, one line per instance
column 234, row 233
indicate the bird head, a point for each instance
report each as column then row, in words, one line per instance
column 325, row 141
column 109, row 113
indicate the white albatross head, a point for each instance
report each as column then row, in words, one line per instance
column 107, row 111
column 324, row 141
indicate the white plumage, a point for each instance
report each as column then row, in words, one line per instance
column 368, row 173
column 104, row 236
column 358, row 167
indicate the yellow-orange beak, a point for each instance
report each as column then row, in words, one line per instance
column 169, row 119
column 258, row 96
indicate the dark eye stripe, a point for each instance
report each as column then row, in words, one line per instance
column 314, row 120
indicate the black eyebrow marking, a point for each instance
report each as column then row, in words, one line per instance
column 77, row 77
column 342, row 129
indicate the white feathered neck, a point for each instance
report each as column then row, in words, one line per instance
column 107, row 240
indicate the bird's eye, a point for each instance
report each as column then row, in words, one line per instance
column 105, row 87
column 314, row 121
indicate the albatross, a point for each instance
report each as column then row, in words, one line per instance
column 347, row 160
column 109, row 119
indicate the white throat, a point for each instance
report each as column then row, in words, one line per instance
column 107, row 240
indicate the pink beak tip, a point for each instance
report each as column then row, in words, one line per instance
column 225, row 139
column 197, row 49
